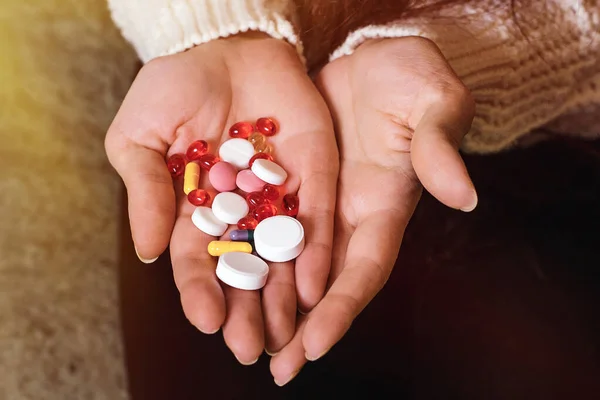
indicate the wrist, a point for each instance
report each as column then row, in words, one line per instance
column 254, row 49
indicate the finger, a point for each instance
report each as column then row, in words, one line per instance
column 434, row 151
column 243, row 329
column 343, row 234
column 279, row 306
column 290, row 360
column 371, row 255
column 202, row 298
column 317, row 205
column 151, row 198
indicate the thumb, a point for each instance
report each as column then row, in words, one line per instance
column 150, row 194
column 434, row 151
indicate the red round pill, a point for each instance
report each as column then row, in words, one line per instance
column 199, row 197
column 263, row 156
column 176, row 165
column 256, row 199
column 207, row 161
column 241, row 130
column 196, row 150
column 270, row 192
column 247, row 223
column 264, row 211
column 266, row 126
column 291, row 204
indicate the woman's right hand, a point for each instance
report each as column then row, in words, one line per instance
column 198, row 94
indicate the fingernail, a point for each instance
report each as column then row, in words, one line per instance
column 209, row 333
column 144, row 260
column 309, row 358
column 246, row 364
column 472, row 204
column 271, row 353
column 285, row 382
column 302, row 312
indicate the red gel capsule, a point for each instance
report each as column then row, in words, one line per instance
column 291, row 204
column 270, row 192
column 207, row 161
column 264, row 211
column 176, row 165
column 199, row 197
column 196, row 150
column 257, row 156
column 266, row 126
column 241, row 130
column 247, row 223
column 256, row 199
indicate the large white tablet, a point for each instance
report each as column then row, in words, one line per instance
column 279, row 238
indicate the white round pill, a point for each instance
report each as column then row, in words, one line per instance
column 237, row 152
column 242, row 271
column 279, row 238
column 229, row 207
column 269, row 172
column 207, row 222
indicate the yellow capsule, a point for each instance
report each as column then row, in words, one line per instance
column 257, row 139
column 264, row 148
column 191, row 177
column 216, row 248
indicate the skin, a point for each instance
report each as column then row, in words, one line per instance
column 400, row 113
column 199, row 94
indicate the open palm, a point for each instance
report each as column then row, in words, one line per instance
column 400, row 114
column 199, row 94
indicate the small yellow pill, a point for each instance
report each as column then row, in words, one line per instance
column 216, row 248
column 263, row 148
column 191, row 177
column 257, row 139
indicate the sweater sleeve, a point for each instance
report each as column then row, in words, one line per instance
column 163, row 27
column 525, row 66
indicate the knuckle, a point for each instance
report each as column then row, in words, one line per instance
column 158, row 176
column 448, row 89
column 113, row 143
column 157, row 65
column 417, row 41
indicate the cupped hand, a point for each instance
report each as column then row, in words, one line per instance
column 199, row 94
column 400, row 113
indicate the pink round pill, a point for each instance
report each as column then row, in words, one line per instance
column 248, row 182
column 222, row 176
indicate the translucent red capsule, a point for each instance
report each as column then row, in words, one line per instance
column 270, row 192
column 176, row 165
column 266, row 126
column 241, row 130
column 196, row 150
column 207, row 161
column 257, row 156
column 199, row 197
column 247, row 223
column 256, row 199
column 290, row 205
column 264, row 211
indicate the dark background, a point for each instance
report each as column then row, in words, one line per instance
column 501, row 303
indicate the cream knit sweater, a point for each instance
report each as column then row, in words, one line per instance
column 540, row 69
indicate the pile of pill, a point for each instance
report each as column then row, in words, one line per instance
column 247, row 182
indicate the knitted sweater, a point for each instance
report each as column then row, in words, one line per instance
column 539, row 71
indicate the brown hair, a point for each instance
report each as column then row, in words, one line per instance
column 324, row 24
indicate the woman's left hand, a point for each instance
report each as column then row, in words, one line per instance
column 400, row 113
